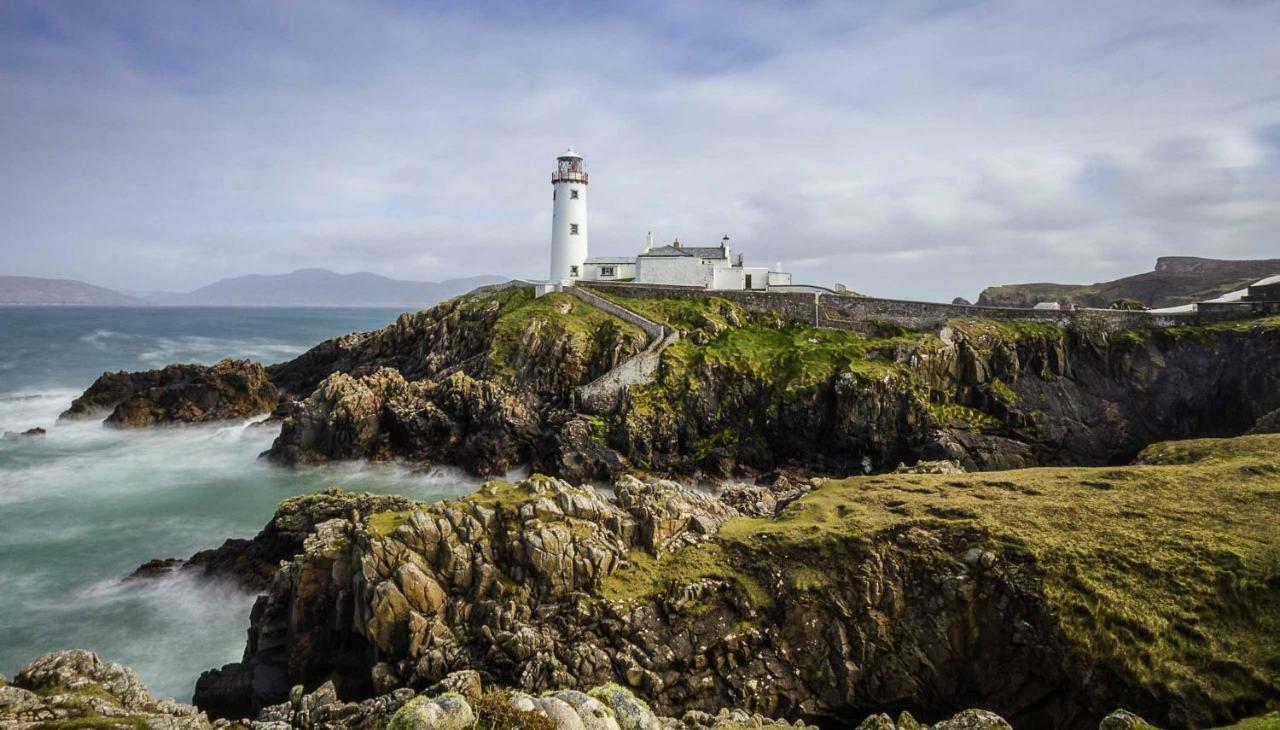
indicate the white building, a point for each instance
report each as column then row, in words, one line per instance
column 708, row 267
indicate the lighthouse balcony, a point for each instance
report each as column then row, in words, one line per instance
column 559, row 177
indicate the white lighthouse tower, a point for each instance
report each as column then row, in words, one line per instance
column 568, row 218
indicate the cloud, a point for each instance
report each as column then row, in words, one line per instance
column 921, row 150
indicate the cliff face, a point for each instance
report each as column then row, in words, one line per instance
column 759, row 396
column 1029, row 594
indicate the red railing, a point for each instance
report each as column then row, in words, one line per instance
column 568, row 177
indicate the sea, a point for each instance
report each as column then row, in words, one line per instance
column 83, row 506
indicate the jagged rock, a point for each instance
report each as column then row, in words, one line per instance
column 451, row 712
column 750, row 499
column 35, row 432
column 465, row 682
column 965, row 720
column 253, row 563
column 75, row 688
column 576, row 449
column 1269, row 423
column 155, row 568
column 630, row 712
column 537, row 541
column 1124, row 720
column 497, row 580
column 459, row 420
column 945, row 466
column 974, row 720
column 230, row 389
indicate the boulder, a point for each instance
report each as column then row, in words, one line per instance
column 450, row 712
column 35, row 432
column 230, row 389
column 974, row 720
column 74, row 688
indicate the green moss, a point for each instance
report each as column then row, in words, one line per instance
column 1235, row 325
column 500, row 494
column 1266, row 722
column 1192, row 451
column 791, row 362
column 990, row 333
column 494, row 712
column 950, row 413
column 385, row 523
column 1002, row 391
column 91, row 690
column 646, row 577
column 599, row 431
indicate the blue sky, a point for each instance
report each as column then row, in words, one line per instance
column 921, row 150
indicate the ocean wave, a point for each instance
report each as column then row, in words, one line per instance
column 22, row 410
column 194, row 348
column 99, row 337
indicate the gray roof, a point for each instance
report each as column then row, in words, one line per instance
column 611, row 260
column 702, row 252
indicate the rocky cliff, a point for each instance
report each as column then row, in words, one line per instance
column 484, row 382
column 1031, row 593
column 487, row 382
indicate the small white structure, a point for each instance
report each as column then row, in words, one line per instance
column 708, row 267
column 568, row 218
column 1048, row 305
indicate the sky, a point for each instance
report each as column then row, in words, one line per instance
column 921, row 150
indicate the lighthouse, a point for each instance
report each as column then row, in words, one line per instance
column 568, row 218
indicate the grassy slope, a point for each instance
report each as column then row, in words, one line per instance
column 1171, row 571
column 555, row 314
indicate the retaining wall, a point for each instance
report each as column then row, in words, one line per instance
column 848, row 312
column 653, row 329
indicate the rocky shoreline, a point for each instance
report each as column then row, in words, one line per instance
column 790, row 589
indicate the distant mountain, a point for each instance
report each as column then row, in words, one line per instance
column 1176, row 280
column 323, row 288
column 33, row 290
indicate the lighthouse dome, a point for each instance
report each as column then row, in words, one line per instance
column 570, row 154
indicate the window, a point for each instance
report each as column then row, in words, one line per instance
column 606, row 271
column 573, row 229
column 573, row 194
column 573, row 271
column 553, row 194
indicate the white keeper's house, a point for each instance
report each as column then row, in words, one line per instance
column 709, row 267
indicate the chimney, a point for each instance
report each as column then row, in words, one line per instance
column 648, row 242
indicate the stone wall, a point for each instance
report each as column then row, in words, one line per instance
column 850, row 312
column 651, row 328
column 603, row 394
